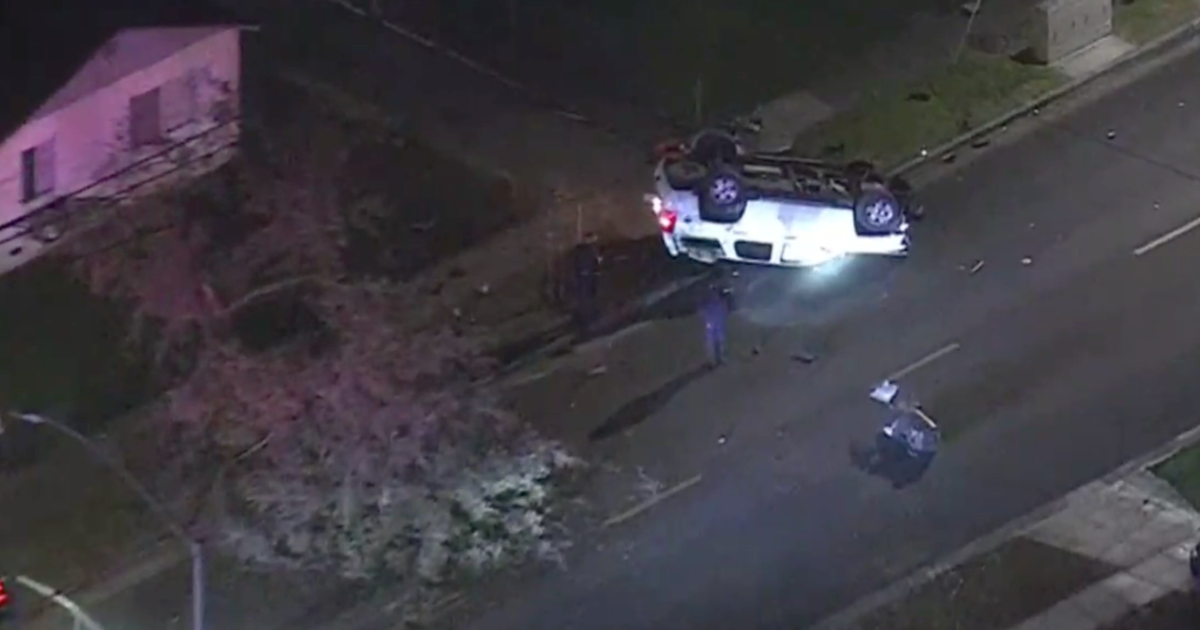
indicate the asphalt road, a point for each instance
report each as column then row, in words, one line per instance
column 1073, row 354
column 1073, row 350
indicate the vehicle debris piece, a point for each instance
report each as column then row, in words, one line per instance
column 804, row 357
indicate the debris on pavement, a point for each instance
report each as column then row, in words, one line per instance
column 648, row 486
column 1027, row 261
column 1111, row 135
column 975, row 267
column 804, row 357
column 885, row 392
column 599, row 370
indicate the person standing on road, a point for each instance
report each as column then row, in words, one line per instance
column 715, row 311
column 586, row 271
column 1194, row 566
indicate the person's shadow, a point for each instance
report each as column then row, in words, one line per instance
column 639, row 409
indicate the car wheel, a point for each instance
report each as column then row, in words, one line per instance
column 860, row 168
column 904, row 193
column 685, row 174
column 723, row 197
column 713, row 146
column 876, row 211
column 724, row 190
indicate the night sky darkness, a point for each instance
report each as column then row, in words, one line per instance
column 45, row 41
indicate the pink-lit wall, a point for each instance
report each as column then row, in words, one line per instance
column 90, row 130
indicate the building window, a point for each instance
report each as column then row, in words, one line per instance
column 180, row 100
column 145, row 119
column 37, row 171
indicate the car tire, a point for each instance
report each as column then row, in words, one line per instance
column 685, row 174
column 713, row 147
column 876, row 210
column 861, row 169
column 903, row 190
column 723, row 197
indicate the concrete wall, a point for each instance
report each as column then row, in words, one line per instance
column 92, row 154
column 1061, row 27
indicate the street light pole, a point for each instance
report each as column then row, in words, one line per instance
column 195, row 549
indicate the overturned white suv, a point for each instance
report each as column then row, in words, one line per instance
column 716, row 201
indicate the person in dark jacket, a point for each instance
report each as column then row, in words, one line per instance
column 586, row 273
column 1194, row 566
column 715, row 311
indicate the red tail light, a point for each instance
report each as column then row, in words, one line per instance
column 4, row 596
column 667, row 219
column 669, row 149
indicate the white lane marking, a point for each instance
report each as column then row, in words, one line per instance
column 922, row 362
column 653, row 501
column 1168, row 237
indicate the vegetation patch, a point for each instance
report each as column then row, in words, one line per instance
column 891, row 125
column 1182, row 471
column 1141, row 21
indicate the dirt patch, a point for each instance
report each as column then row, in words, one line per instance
column 425, row 206
column 436, row 207
column 993, row 591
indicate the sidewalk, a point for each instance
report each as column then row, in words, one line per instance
column 1112, row 555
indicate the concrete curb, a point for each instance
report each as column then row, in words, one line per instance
column 1158, row 46
column 846, row 617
